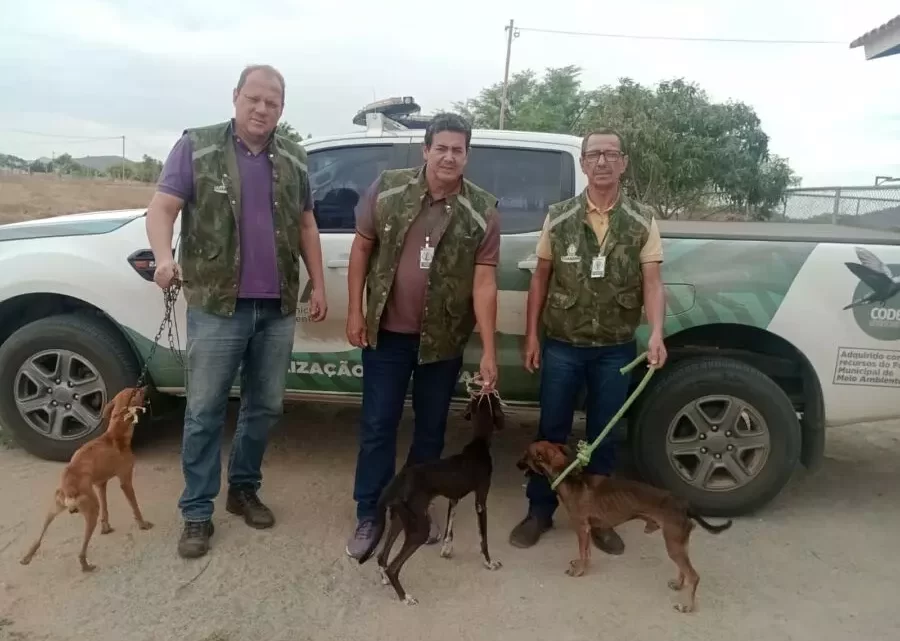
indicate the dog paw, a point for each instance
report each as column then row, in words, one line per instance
column 87, row 567
column 675, row 584
column 446, row 551
column 105, row 528
column 410, row 600
column 683, row 608
column 384, row 577
column 493, row 565
column 25, row 560
column 576, row 568
column 145, row 525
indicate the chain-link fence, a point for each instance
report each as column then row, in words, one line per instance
column 871, row 207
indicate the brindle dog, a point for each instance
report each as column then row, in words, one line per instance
column 594, row 501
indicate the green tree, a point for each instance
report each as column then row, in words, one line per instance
column 149, row 169
column 287, row 130
column 8, row 161
column 688, row 156
column 554, row 104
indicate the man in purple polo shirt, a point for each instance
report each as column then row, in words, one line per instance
column 246, row 220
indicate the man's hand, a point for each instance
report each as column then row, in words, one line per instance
column 532, row 353
column 356, row 330
column 318, row 305
column 488, row 372
column 166, row 272
column 656, row 351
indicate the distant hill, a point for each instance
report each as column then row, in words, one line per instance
column 100, row 163
column 888, row 218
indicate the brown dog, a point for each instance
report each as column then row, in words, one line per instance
column 597, row 501
column 95, row 463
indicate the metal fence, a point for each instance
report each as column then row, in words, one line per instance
column 873, row 207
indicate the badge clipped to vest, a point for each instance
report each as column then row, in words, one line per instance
column 426, row 255
column 598, row 266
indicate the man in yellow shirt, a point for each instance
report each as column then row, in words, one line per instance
column 599, row 258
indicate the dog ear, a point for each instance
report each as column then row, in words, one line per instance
column 565, row 449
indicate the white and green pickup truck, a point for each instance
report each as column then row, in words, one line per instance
column 775, row 331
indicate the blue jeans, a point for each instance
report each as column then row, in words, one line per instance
column 386, row 373
column 256, row 341
column 565, row 369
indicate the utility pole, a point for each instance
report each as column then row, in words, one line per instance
column 509, row 38
column 123, row 158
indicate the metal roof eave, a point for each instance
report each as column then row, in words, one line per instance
column 882, row 41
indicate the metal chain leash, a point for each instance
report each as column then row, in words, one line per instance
column 170, row 297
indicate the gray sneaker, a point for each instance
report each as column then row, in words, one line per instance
column 363, row 537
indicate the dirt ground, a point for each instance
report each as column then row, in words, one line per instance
column 819, row 563
column 23, row 197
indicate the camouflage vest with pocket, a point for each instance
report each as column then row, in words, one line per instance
column 587, row 311
column 210, row 254
column 449, row 317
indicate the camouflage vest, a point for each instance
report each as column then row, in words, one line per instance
column 449, row 316
column 210, row 245
column 595, row 311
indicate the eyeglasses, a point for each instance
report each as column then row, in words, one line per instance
column 610, row 156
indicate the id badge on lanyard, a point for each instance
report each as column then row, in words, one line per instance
column 598, row 263
column 598, row 266
column 426, row 254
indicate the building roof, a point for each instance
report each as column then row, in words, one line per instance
column 881, row 41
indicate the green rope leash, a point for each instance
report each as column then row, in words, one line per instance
column 585, row 451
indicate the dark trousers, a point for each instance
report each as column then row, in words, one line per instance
column 565, row 369
column 387, row 369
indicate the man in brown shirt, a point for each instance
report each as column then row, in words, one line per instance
column 454, row 230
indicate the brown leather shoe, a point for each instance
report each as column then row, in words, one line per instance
column 608, row 541
column 244, row 502
column 528, row 531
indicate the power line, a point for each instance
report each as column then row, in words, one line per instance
column 69, row 138
column 681, row 38
column 514, row 32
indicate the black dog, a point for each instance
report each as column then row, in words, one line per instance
column 412, row 490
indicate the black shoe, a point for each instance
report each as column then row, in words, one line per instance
column 608, row 541
column 194, row 541
column 529, row 531
column 244, row 502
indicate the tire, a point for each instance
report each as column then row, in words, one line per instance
column 698, row 381
column 92, row 342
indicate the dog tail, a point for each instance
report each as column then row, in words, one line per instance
column 706, row 525
column 388, row 496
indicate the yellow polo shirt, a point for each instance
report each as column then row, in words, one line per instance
column 651, row 252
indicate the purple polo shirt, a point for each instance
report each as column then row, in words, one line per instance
column 259, row 276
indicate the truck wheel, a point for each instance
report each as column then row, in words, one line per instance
column 56, row 374
column 718, row 433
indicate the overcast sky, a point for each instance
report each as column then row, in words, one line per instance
column 147, row 70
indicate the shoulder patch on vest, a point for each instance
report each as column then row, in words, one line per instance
column 387, row 193
column 200, row 153
column 478, row 218
column 628, row 209
column 564, row 216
